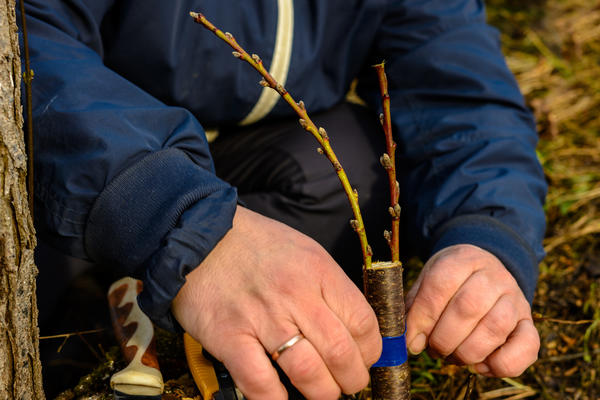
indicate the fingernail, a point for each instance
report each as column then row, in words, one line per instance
column 418, row 344
column 481, row 369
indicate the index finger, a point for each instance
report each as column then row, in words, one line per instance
column 435, row 291
column 350, row 306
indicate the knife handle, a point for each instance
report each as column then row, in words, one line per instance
column 135, row 334
column 202, row 369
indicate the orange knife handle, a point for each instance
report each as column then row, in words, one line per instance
column 202, row 369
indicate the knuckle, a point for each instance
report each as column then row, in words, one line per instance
column 255, row 382
column 437, row 286
column 471, row 357
column 316, row 255
column 423, row 314
column 467, row 305
column 363, row 323
column 476, row 351
column 303, row 369
column 339, row 353
column 511, row 369
column 472, row 353
column 499, row 324
column 440, row 344
column 511, row 366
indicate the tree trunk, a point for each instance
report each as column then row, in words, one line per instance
column 20, row 368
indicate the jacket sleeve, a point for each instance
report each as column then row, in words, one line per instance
column 120, row 178
column 468, row 170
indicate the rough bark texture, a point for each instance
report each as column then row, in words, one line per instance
column 383, row 285
column 20, row 368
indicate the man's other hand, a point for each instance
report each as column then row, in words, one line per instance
column 466, row 306
column 260, row 286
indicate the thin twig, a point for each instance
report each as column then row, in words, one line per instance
column 538, row 317
column 319, row 133
column 68, row 335
column 556, row 241
column 388, row 160
column 514, row 392
column 567, row 357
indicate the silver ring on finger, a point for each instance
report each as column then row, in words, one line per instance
column 277, row 353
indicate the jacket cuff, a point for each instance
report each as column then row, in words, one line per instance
column 497, row 238
column 157, row 221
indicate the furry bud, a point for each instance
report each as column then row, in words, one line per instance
column 386, row 161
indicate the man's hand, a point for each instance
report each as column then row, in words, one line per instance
column 260, row 286
column 467, row 306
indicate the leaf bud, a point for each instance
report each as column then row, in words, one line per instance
column 386, row 161
column 323, row 133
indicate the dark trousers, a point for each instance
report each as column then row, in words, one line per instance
column 279, row 173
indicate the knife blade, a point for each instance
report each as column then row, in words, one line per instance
column 141, row 378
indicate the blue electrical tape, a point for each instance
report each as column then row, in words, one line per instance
column 393, row 353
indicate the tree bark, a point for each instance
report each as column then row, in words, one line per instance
column 20, row 368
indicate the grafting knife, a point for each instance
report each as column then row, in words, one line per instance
column 141, row 379
column 211, row 377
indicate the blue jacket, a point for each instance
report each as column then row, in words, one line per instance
column 123, row 91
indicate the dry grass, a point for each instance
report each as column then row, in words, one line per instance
column 553, row 47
